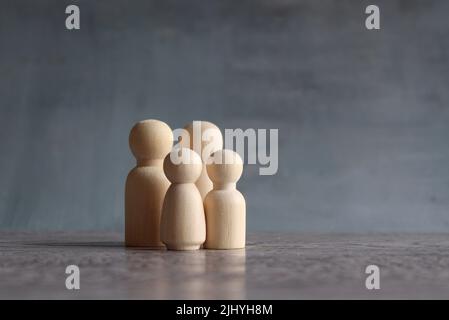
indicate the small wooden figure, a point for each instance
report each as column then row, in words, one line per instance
column 225, row 206
column 205, row 138
column 183, row 225
column 146, row 184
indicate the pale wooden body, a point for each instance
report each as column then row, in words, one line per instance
column 225, row 219
column 183, row 223
column 144, row 194
column 146, row 184
column 225, row 206
column 204, row 184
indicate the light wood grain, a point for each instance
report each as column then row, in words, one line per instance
column 204, row 138
column 146, row 184
column 225, row 206
column 183, row 225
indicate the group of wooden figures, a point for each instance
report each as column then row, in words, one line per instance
column 187, row 204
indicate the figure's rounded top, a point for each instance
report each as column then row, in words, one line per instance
column 224, row 166
column 210, row 134
column 183, row 165
column 150, row 140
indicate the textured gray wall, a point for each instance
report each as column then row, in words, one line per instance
column 362, row 115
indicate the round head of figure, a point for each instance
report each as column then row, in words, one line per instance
column 224, row 166
column 183, row 165
column 204, row 138
column 150, row 140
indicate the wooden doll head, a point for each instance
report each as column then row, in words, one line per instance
column 224, row 166
column 182, row 166
column 150, row 140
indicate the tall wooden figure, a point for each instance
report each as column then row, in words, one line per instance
column 204, row 138
column 225, row 206
column 146, row 185
column 183, row 225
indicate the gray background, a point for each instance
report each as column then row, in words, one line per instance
column 362, row 115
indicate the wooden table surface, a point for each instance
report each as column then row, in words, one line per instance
column 273, row 266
